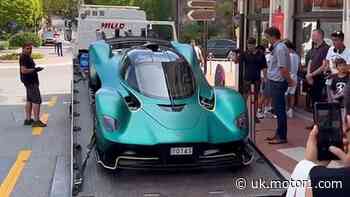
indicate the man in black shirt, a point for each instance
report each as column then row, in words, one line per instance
column 253, row 61
column 29, row 77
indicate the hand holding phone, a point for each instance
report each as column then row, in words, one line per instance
column 38, row 69
column 327, row 117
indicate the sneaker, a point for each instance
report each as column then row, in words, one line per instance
column 290, row 113
column 28, row 122
column 273, row 115
column 260, row 115
column 38, row 124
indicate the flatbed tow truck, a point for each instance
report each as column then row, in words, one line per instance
column 89, row 179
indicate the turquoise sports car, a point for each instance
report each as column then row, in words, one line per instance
column 155, row 109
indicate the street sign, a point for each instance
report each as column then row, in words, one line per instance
column 202, row 15
column 209, row 4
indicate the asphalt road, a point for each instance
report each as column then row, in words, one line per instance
column 28, row 156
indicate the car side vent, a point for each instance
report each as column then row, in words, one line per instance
column 172, row 108
column 207, row 103
column 132, row 102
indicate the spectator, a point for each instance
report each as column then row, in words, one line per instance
column 29, row 77
column 199, row 55
column 59, row 40
column 314, row 76
column 294, row 67
column 338, row 83
column 316, row 171
column 253, row 61
column 279, row 81
column 338, row 50
column 219, row 75
column 265, row 104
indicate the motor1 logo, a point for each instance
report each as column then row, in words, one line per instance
column 112, row 25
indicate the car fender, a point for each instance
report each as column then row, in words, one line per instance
column 227, row 112
column 110, row 103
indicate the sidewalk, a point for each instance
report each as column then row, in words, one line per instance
column 287, row 155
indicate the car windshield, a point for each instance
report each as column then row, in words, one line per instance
column 161, row 79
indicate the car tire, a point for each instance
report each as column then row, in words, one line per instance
column 247, row 155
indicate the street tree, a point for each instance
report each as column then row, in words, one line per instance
column 20, row 13
column 64, row 8
column 155, row 9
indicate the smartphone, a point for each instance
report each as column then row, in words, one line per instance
column 328, row 118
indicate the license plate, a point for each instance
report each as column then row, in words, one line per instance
column 181, row 151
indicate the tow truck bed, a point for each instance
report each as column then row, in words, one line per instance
column 221, row 182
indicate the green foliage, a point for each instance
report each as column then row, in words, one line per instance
column 191, row 31
column 26, row 14
column 65, row 8
column 4, row 44
column 224, row 26
column 155, row 9
column 21, row 38
column 15, row 56
column 37, row 56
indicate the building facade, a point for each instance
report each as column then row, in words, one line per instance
column 296, row 19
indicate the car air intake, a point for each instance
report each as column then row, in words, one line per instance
column 172, row 108
column 132, row 102
column 207, row 103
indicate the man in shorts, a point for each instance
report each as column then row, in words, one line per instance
column 294, row 67
column 29, row 77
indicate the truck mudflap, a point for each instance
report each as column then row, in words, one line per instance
column 259, row 178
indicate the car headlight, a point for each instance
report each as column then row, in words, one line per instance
column 242, row 121
column 110, row 124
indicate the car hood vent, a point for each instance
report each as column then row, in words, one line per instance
column 173, row 108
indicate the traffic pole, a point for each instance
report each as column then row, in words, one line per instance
column 252, row 113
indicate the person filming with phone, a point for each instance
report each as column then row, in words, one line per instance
column 328, row 140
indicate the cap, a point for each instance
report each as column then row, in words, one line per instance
column 338, row 34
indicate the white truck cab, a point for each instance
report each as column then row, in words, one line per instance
column 99, row 21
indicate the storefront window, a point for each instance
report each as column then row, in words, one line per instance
column 256, row 29
column 259, row 6
column 322, row 5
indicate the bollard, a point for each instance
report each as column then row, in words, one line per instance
column 252, row 99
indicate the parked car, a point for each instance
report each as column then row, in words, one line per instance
column 155, row 109
column 220, row 48
column 48, row 38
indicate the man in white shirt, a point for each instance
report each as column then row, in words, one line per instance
column 199, row 55
column 59, row 40
column 338, row 50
